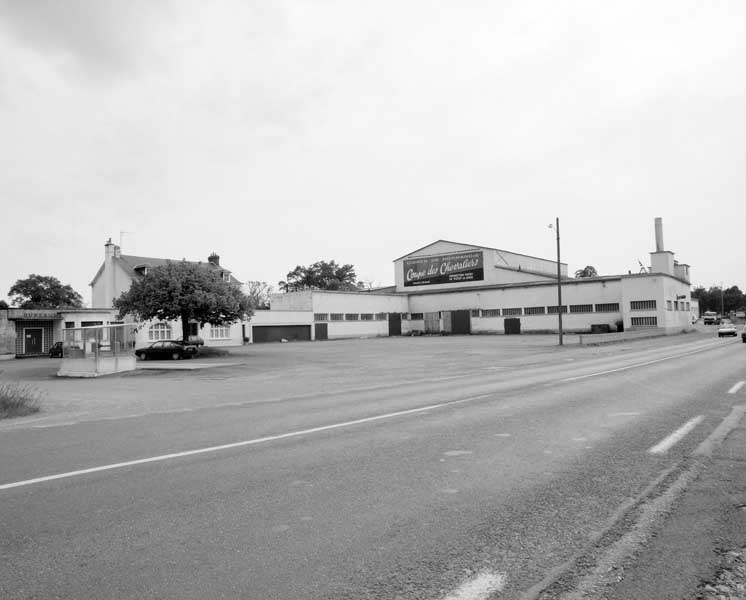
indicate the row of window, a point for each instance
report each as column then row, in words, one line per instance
column 676, row 305
column 511, row 311
column 163, row 331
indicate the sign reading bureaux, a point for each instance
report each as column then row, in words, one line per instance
column 445, row 268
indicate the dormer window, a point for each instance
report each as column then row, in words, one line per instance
column 142, row 269
column 225, row 276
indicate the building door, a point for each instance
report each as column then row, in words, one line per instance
column 460, row 321
column 394, row 323
column 432, row 322
column 512, row 326
column 321, row 331
column 33, row 340
column 447, row 325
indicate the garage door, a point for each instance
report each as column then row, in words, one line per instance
column 275, row 333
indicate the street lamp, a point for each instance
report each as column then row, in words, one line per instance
column 559, row 279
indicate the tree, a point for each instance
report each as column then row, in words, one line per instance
column 716, row 298
column 44, row 291
column 258, row 293
column 3, row 304
column 588, row 271
column 320, row 275
column 184, row 291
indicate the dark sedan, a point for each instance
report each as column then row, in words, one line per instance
column 173, row 349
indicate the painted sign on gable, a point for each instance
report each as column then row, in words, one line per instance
column 445, row 268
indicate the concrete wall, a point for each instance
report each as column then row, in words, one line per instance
column 7, row 336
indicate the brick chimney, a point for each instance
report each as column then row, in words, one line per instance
column 214, row 259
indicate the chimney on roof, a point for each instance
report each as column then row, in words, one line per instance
column 214, row 259
column 658, row 234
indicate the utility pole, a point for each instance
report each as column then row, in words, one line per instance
column 559, row 280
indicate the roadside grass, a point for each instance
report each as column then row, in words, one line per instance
column 18, row 399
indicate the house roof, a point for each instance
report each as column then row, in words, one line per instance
column 129, row 263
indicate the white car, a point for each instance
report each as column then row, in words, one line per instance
column 727, row 329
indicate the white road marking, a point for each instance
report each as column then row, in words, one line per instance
column 736, row 387
column 271, row 438
column 642, row 364
column 625, row 414
column 479, row 587
column 666, row 443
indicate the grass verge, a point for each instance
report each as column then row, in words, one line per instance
column 18, row 399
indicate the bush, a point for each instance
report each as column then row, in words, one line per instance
column 18, row 400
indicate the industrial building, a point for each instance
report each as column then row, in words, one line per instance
column 449, row 287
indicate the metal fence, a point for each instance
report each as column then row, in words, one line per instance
column 98, row 341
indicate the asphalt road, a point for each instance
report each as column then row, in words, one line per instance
column 416, row 468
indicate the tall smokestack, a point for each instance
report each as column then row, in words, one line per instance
column 658, row 234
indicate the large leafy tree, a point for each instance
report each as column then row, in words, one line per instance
column 588, row 271
column 184, row 291
column 43, row 291
column 320, row 275
column 717, row 298
column 258, row 293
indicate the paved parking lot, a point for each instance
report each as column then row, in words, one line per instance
column 266, row 372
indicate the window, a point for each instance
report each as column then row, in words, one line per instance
column 352, row 317
column 220, row 332
column 490, row 312
column 366, row 316
column 669, row 305
column 320, row 316
column 688, row 306
column 336, row 317
column 69, row 324
column 581, row 308
column 404, row 316
column 509, row 312
column 474, row 312
column 644, row 321
column 159, row 331
column 552, row 310
column 642, row 305
column 418, row 316
column 225, row 276
column 381, row 316
column 676, row 305
column 534, row 310
column 610, row 307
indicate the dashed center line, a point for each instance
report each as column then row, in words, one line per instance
column 736, row 387
column 479, row 588
column 665, row 444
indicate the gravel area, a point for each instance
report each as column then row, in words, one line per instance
column 730, row 583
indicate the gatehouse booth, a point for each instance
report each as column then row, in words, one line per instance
column 97, row 350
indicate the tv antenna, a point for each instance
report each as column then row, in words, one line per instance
column 643, row 268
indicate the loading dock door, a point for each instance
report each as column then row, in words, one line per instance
column 512, row 326
column 432, row 322
column 275, row 333
column 394, row 323
column 460, row 321
column 321, row 331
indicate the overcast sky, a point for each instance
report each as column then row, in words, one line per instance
column 278, row 133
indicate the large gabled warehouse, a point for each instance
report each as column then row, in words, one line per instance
column 449, row 287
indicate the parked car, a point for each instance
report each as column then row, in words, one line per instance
column 727, row 328
column 173, row 349
column 58, row 350
column 743, row 334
